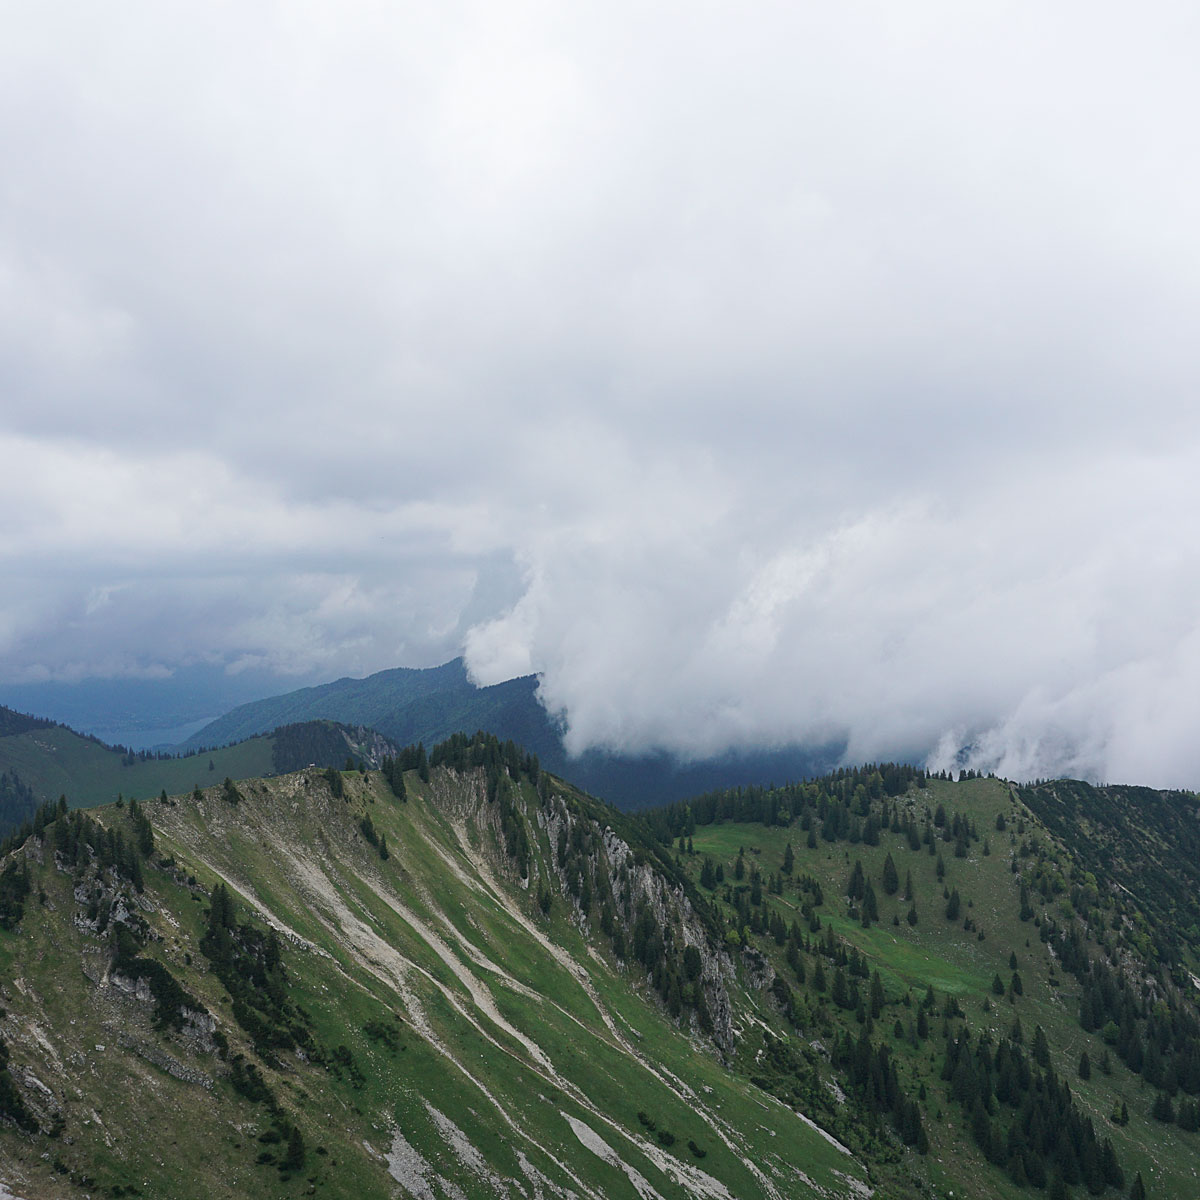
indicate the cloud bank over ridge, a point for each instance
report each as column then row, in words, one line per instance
column 752, row 377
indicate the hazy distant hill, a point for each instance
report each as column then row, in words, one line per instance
column 40, row 761
column 382, row 696
column 411, row 705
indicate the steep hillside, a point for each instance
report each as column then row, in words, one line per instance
column 322, row 988
column 460, row 976
column 1022, row 987
column 41, row 761
column 428, row 706
column 1144, row 841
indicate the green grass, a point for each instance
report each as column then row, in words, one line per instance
column 55, row 762
column 955, row 962
column 300, row 854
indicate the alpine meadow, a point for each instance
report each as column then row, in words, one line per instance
column 457, row 974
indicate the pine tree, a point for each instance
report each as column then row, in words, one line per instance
column 877, row 996
column 296, row 1153
column 870, row 908
column 1041, row 1048
column 856, row 888
column 841, row 992
column 891, row 878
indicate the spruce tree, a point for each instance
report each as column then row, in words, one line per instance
column 870, row 908
column 296, row 1153
column 891, row 878
column 1041, row 1048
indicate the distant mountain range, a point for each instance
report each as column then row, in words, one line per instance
column 413, row 705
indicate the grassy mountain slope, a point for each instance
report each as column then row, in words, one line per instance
column 51, row 760
column 1144, row 841
column 411, row 706
column 428, row 1030
column 971, row 961
column 493, row 984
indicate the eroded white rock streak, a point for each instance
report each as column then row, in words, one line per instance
column 589, row 1138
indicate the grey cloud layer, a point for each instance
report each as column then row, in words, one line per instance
column 823, row 372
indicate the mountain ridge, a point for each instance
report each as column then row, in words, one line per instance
column 405, row 1009
column 355, row 961
column 428, row 705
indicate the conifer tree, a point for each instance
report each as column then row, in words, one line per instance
column 856, row 888
column 296, row 1153
column 877, row 996
column 1041, row 1048
column 891, row 878
column 870, row 907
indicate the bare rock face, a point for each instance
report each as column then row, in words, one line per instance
column 759, row 972
column 605, row 858
column 164, row 1061
column 198, row 1030
column 137, row 989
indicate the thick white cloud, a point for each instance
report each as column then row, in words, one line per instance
column 824, row 372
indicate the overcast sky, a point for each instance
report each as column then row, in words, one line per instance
column 755, row 373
